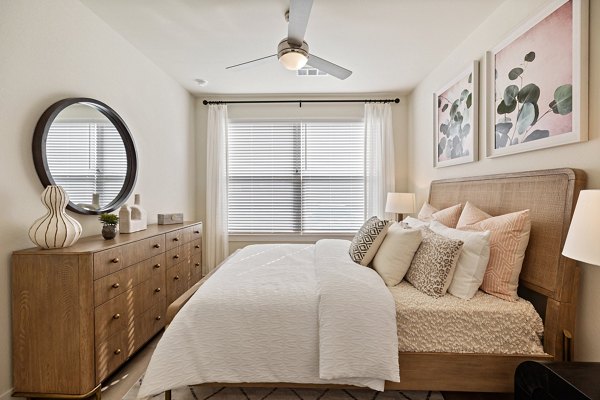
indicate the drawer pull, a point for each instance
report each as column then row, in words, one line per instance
column 176, row 256
column 197, row 264
column 156, row 246
column 158, row 317
column 197, row 246
column 117, row 316
column 115, row 260
column 197, row 232
column 117, row 352
column 176, row 277
column 116, row 285
column 157, row 290
column 156, row 266
column 176, row 239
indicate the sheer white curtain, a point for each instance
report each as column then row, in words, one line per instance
column 215, row 226
column 380, row 166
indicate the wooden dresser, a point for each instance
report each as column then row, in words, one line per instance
column 79, row 313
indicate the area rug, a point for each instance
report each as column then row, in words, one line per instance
column 230, row 393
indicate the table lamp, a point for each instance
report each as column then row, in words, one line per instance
column 400, row 203
column 582, row 240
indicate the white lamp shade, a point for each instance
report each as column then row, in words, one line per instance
column 400, row 203
column 582, row 240
column 293, row 60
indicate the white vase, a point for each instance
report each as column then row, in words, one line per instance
column 56, row 229
column 133, row 218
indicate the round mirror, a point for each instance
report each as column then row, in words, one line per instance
column 84, row 146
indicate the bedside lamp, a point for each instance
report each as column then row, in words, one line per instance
column 400, row 203
column 582, row 240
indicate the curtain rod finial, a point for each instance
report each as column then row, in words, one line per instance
column 396, row 100
column 205, row 102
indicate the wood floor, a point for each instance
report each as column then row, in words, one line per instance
column 119, row 384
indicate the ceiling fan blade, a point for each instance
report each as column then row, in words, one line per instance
column 298, row 20
column 251, row 61
column 329, row 67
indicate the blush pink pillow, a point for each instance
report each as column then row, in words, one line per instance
column 448, row 216
column 508, row 242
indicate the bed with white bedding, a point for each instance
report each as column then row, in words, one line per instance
column 282, row 313
column 548, row 280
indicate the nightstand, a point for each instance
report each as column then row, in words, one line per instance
column 557, row 381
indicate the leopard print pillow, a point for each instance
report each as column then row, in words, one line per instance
column 434, row 262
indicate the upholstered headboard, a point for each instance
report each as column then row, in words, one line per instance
column 548, row 279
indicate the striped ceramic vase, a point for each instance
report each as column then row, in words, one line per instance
column 56, row 229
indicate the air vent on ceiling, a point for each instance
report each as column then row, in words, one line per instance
column 310, row 71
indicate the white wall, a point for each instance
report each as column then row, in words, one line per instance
column 582, row 155
column 307, row 111
column 51, row 50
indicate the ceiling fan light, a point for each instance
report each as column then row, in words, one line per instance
column 292, row 56
column 293, row 60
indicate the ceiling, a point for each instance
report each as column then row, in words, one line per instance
column 390, row 45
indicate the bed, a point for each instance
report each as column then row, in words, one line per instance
column 548, row 280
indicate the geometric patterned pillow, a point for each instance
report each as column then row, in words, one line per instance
column 368, row 239
column 433, row 265
column 508, row 243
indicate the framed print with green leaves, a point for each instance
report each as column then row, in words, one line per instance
column 456, row 119
column 536, row 82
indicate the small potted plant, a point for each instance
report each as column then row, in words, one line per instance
column 109, row 228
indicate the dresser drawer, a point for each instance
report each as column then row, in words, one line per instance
column 197, row 246
column 119, row 282
column 151, row 321
column 177, row 281
column 178, row 255
column 110, row 354
column 117, row 313
column 196, row 268
column 108, row 261
column 143, row 249
column 174, row 238
column 196, row 231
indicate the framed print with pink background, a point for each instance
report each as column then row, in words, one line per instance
column 456, row 119
column 536, row 82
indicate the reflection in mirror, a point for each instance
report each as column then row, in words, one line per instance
column 86, row 156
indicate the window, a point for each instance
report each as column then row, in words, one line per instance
column 296, row 177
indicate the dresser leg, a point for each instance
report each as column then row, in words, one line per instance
column 167, row 395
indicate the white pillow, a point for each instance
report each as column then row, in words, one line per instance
column 414, row 223
column 472, row 262
column 396, row 253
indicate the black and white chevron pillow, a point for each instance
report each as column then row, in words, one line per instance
column 368, row 239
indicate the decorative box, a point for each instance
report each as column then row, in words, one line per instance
column 172, row 218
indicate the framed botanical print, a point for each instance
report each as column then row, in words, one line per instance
column 536, row 82
column 456, row 119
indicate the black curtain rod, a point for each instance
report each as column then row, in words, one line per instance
column 205, row 102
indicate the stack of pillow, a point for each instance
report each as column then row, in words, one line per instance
column 453, row 250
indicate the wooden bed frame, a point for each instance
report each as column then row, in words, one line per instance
column 548, row 279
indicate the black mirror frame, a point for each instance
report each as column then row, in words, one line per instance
column 41, row 162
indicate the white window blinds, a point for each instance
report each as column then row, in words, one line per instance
column 296, row 177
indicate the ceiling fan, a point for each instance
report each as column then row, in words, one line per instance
column 292, row 51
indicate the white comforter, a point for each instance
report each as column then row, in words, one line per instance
column 282, row 313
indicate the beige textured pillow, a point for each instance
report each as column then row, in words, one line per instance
column 470, row 215
column 396, row 253
column 448, row 216
column 434, row 262
column 368, row 239
column 508, row 242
